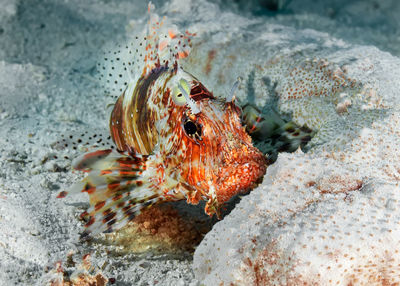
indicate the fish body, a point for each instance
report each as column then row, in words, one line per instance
column 195, row 156
column 175, row 141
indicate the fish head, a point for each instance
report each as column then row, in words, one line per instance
column 213, row 154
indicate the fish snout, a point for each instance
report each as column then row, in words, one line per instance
column 243, row 170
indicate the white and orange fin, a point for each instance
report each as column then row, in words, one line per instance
column 161, row 44
column 272, row 134
column 164, row 42
column 118, row 188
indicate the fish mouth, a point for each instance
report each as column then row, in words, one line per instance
column 241, row 176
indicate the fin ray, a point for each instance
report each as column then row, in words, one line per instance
column 118, row 188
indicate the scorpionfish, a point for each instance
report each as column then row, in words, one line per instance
column 175, row 140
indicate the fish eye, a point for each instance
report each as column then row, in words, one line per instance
column 192, row 129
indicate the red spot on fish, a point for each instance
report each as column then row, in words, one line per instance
column 99, row 205
column 113, row 185
column 125, row 165
column 90, row 222
column 117, row 197
column 127, row 173
column 109, row 217
column 89, row 189
column 171, row 34
column 84, row 214
column 182, row 54
column 106, row 212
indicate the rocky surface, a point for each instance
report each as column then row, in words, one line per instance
column 328, row 216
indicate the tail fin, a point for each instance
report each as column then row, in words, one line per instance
column 117, row 189
column 272, row 134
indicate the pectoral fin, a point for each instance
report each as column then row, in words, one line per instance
column 118, row 186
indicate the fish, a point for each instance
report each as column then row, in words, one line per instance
column 174, row 139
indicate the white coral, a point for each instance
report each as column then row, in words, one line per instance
column 329, row 216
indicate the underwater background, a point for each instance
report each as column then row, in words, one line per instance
column 325, row 215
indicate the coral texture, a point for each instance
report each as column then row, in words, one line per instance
column 329, row 216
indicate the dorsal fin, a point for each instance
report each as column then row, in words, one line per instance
column 160, row 44
column 164, row 43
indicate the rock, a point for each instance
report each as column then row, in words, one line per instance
column 292, row 231
column 328, row 216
